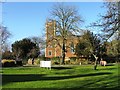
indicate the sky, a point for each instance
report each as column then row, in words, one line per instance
column 27, row 19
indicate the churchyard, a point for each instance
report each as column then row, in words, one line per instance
column 67, row 53
column 61, row 77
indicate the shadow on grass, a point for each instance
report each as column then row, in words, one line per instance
column 60, row 88
column 61, row 68
column 106, row 69
column 110, row 64
column 8, row 78
column 39, row 77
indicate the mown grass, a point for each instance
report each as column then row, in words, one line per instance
column 70, row 77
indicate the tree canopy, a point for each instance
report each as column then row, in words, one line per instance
column 24, row 48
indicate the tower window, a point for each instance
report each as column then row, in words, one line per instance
column 72, row 47
column 50, row 52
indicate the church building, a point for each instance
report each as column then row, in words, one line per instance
column 53, row 48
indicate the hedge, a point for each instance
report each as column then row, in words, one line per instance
column 8, row 63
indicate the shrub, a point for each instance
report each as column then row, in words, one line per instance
column 19, row 63
column 37, row 61
column 56, row 63
column 55, row 60
column 72, row 58
column 8, row 63
column 67, row 62
column 47, row 59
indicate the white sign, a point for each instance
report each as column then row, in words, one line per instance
column 45, row 64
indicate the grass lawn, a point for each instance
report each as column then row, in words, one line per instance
column 71, row 77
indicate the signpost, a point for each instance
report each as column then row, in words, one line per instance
column 46, row 64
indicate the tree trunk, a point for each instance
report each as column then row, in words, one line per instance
column 63, row 58
column 95, row 65
column 33, row 61
column 63, row 54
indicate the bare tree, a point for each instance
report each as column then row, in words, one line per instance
column 4, row 35
column 67, row 20
column 109, row 23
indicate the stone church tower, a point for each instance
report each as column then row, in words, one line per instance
column 50, row 35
